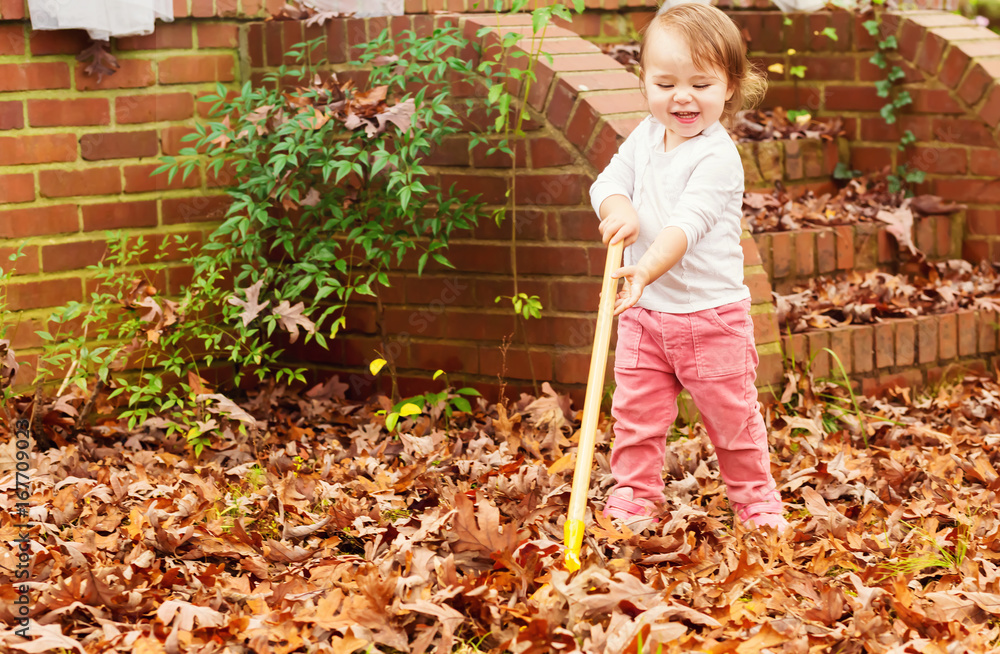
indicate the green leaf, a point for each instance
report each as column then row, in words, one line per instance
column 871, row 26
column 462, row 404
column 494, row 93
column 441, row 260
column 539, row 17
column 391, row 420
column 404, row 197
column 467, row 391
column 843, row 171
column 888, row 113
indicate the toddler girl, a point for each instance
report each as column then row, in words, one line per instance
column 674, row 193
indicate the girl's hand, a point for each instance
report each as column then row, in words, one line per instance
column 619, row 226
column 636, row 279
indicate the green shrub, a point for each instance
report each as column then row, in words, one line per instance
column 328, row 195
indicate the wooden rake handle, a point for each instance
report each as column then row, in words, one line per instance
column 573, row 532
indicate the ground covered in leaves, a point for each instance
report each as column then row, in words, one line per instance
column 321, row 532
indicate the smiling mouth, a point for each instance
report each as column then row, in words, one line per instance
column 686, row 115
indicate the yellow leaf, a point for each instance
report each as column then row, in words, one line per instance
column 147, row 645
column 776, row 68
column 193, row 433
column 563, row 463
column 409, row 409
column 438, row 374
column 134, row 527
column 791, row 51
column 376, row 365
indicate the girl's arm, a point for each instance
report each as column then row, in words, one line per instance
column 618, row 178
column 664, row 252
column 707, row 192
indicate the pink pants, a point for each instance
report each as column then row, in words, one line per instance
column 711, row 353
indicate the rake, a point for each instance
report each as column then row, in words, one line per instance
column 573, row 530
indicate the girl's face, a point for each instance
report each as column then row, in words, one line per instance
column 685, row 98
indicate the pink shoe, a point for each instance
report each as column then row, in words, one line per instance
column 759, row 514
column 636, row 514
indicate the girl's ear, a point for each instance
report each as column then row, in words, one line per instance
column 729, row 92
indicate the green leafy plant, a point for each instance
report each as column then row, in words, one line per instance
column 830, row 33
column 903, row 176
column 329, row 192
column 525, row 305
column 444, row 402
column 127, row 337
column 322, row 160
column 843, row 171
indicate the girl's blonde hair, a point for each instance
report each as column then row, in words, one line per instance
column 715, row 42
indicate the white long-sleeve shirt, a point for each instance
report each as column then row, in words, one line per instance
column 697, row 186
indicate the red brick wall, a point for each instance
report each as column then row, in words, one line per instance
column 76, row 154
column 18, row 9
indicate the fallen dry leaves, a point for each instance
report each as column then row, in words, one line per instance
column 870, row 297
column 862, row 199
column 774, row 124
column 319, row 532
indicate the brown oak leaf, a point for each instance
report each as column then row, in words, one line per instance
column 482, row 533
column 102, row 62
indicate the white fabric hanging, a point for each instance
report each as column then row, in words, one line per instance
column 790, row 6
column 101, row 18
column 359, row 8
column 787, row 6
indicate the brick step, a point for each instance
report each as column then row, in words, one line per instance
column 906, row 352
column 793, row 258
column 796, row 163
